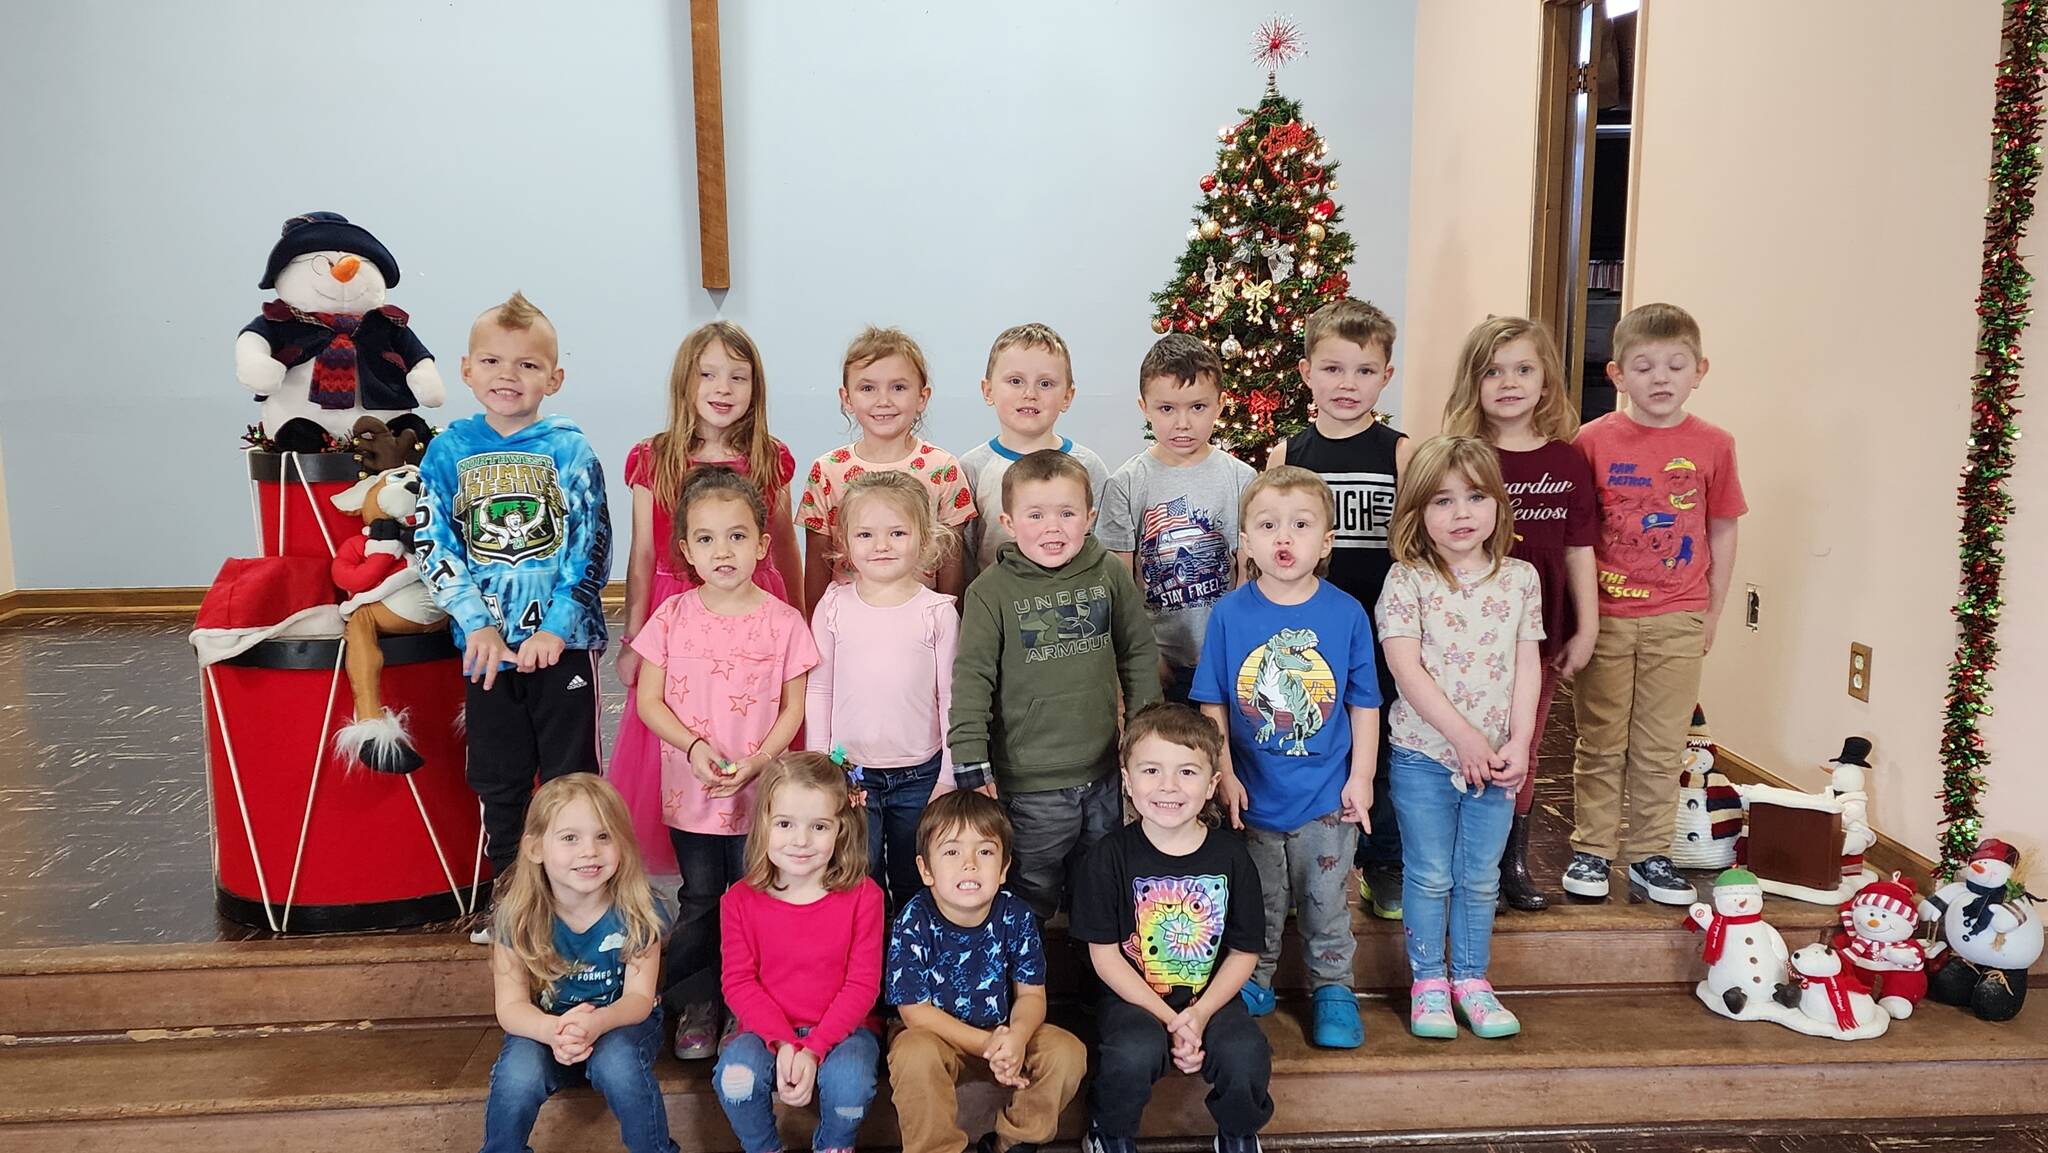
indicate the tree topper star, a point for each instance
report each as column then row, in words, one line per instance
column 1276, row 42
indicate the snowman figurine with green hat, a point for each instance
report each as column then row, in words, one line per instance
column 1746, row 958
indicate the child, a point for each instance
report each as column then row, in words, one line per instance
column 967, row 970
column 1460, row 620
column 1030, row 382
column 1172, row 509
column 1047, row 636
column 717, row 414
column 803, row 962
column 725, row 697
column 884, row 680
column 1347, row 361
column 1669, row 499
column 884, row 387
column 578, row 938
column 513, row 538
column 1289, row 644
column 1171, row 911
column 1510, row 391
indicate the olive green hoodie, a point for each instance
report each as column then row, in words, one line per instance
column 1042, row 653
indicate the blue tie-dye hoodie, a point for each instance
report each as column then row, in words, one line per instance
column 513, row 531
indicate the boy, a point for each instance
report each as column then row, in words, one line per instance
column 1172, row 509
column 1030, row 382
column 1171, row 912
column 1669, row 499
column 1288, row 645
column 1048, row 635
column 967, row 969
column 1347, row 361
column 514, row 539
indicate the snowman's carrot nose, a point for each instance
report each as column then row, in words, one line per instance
column 346, row 268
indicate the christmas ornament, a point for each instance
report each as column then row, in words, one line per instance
column 1283, row 140
column 1315, row 232
column 1255, row 297
column 1209, row 271
column 1876, row 940
column 1310, row 268
column 1280, row 261
column 1220, row 295
column 1209, row 229
column 1159, row 325
column 1258, row 184
column 1989, row 934
column 1209, row 182
column 1323, row 209
column 1230, row 348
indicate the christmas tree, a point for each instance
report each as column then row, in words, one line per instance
column 1265, row 252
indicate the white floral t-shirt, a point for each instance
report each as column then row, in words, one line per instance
column 1468, row 635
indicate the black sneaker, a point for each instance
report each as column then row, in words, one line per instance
column 1586, row 876
column 1380, row 887
column 1657, row 879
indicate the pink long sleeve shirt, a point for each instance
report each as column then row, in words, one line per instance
column 788, row 967
column 883, row 684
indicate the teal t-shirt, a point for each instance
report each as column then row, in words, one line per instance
column 597, row 965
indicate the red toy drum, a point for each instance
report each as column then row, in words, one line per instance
column 291, row 493
column 306, row 841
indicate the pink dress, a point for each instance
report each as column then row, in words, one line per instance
column 636, row 756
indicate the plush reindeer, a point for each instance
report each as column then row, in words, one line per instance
column 385, row 597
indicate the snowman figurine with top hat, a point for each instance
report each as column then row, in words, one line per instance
column 1989, row 932
column 329, row 350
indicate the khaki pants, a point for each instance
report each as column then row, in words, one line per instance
column 925, row 1070
column 1633, row 702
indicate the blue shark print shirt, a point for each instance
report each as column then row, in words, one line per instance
column 966, row 972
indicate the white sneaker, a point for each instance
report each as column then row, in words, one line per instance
column 1586, row 876
column 481, row 935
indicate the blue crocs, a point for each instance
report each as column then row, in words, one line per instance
column 1337, row 1025
column 1258, row 999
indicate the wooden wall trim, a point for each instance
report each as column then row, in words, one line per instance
column 181, row 599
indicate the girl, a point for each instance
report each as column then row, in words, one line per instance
column 803, row 962
column 1510, row 392
column 1459, row 621
column 717, row 414
column 725, row 694
column 578, row 939
column 883, row 387
column 884, row 681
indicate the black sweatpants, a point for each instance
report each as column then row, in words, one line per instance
column 529, row 726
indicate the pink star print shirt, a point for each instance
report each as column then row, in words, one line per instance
column 722, row 676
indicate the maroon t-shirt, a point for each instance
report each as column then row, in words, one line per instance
column 1551, row 489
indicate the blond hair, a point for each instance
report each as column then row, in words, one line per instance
column 1287, row 478
column 516, row 314
column 1358, row 321
column 1040, row 336
column 1554, row 417
column 1652, row 322
column 672, row 447
column 1437, row 458
column 874, row 343
column 848, row 865
column 907, row 493
column 525, row 919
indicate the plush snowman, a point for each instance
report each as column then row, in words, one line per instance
column 1992, row 937
column 329, row 350
column 1745, row 957
column 1876, row 940
column 1832, row 1003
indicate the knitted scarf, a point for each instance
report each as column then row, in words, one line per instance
column 1838, row 988
column 334, row 370
column 1871, row 951
column 1717, row 932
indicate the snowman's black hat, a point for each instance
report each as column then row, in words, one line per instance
column 325, row 232
column 1855, row 751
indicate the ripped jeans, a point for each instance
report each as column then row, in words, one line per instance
column 745, row 1081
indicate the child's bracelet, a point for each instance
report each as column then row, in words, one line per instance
column 693, row 746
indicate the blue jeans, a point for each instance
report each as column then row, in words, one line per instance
column 896, row 799
column 745, row 1081
column 620, row 1066
column 1450, row 856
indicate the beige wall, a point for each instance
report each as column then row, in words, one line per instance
column 1471, row 186
column 6, row 539
column 1811, row 184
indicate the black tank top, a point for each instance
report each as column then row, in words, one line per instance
column 1360, row 472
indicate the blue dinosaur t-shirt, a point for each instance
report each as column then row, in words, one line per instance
column 1287, row 675
column 597, row 968
column 965, row 971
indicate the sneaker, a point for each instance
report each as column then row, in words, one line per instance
column 1481, row 1011
column 697, row 1032
column 1586, row 876
column 1429, row 1010
column 1094, row 1142
column 481, row 935
column 1228, row 1144
column 1258, row 999
column 1380, row 890
column 1657, row 879
column 731, row 1030
column 1336, row 1023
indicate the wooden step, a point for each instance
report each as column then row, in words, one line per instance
column 1630, row 1059
column 412, row 976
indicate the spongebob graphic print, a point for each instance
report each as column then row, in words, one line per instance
column 1286, row 688
column 1179, row 933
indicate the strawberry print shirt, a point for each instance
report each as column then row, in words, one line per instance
column 937, row 469
column 722, row 677
column 1468, row 635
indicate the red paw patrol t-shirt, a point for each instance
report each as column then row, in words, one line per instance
column 1658, row 488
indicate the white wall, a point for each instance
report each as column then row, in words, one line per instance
column 950, row 168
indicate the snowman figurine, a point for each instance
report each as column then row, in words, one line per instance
column 1991, row 938
column 1745, row 957
column 328, row 350
column 1876, row 940
column 1831, row 1001
column 1847, row 784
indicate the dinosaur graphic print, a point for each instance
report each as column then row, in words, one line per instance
column 1286, row 687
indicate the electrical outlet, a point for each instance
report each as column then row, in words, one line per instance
column 1752, row 607
column 1859, row 671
